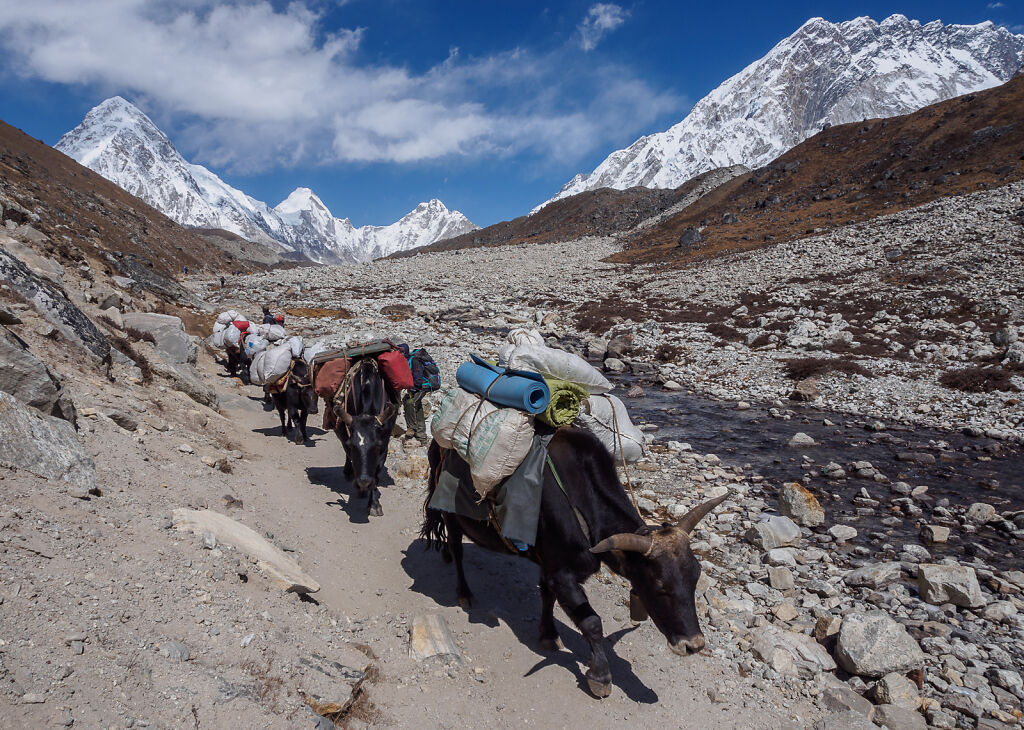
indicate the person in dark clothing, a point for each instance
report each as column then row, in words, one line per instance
column 222, row 282
column 425, row 378
column 268, row 318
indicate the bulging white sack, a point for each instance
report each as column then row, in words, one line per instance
column 218, row 333
column 269, row 366
column 312, row 350
column 559, row 364
column 493, row 441
column 253, row 344
column 232, row 335
column 271, row 332
column 228, row 317
column 524, row 336
column 295, row 345
column 606, row 417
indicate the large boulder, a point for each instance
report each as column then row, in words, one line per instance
column 875, row 575
column 142, row 273
column 27, row 378
column 789, row 653
column 171, row 341
column 956, row 584
column 37, row 263
column 871, row 644
column 43, row 445
column 775, row 532
column 54, row 306
column 184, row 379
column 800, row 505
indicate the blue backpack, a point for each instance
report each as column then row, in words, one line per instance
column 431, row 374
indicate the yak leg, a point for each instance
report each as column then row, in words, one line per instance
column 295, row 422
column 373, row 502
column 454, row 530
column 302, row 426
column 574, row 602
column 549, row 640
column 280, row 413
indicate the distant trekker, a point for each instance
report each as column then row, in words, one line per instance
column 268, row 318
column 221, row 282
column 426, row 378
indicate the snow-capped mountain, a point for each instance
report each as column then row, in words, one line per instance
column 824, row 74
column 316, row 231
column 118, row 141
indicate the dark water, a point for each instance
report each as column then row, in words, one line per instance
column 965, row 469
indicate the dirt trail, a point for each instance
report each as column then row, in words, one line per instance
column 379, row 575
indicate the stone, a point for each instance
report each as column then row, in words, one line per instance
column 283, row 572
column 896, row 717
column 797, row 503
column 689, row 238
column 781, row 579
column 806, row 390
column 28, row 379
column 33, row 698
column 781, row 556
column 826, row 626
column 849, row 720
column 430, row 636
column 934, row 534
column 842, row 533
column 168, row 331
column 775, row 532
column 672, row 386
column 871, row 644
column 114, row 315
column 956, row 584
column 43, row 445
column 122, row 419
column 635, row 392
column 175, row 651
column 790, row 653
column 614, row 365
column 980, row 513
column 1000, row 611
column 184, row 379
column 875, row 575
column 9, row 317
column 896, row 689
column 785, row 612
column 801, row 440
column 619, row 347
column 54, row 306
column 841, row 698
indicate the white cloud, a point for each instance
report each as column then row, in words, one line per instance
column 601, row 19
column 248, row 87
column 996, row 5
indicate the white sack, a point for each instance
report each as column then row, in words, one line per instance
column 312, row 350
column 271, row 365
column 218, row 333
column 523, row 336
column 504, row 352
column 271, row 332
column 601, row 414
column 253, row 344
column 227, row 317
column 295, row 345
column 232, row 335
column 493, row 441
column 559, row 364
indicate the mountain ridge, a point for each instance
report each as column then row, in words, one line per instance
column 121, row 143
column 829, row 73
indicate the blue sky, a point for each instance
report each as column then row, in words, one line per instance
column 489, row 105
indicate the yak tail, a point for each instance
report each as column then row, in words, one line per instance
column 433, row 529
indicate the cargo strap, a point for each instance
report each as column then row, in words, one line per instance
column 558, row 481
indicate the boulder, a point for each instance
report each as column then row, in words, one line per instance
column 842, row 533
column 806, row 390
column 43, row 445
column 840, row 697
column 980, row 513
column 775, row 532
column 54, row 306
column 182, row 378
column 934, row 534
column 171, row 341
column 790, row 653
column 28, row 379
column 871, row 644
column 36, row 262
column 614, row 365
column 956, row 584
column 874, row 576
column 619, row 346
column 800, row 505
column 896, row 717
column 801, row 440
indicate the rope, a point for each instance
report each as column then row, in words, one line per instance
column 622, row 457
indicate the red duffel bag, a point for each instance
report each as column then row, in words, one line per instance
column 330, row 376
column 241, row 324
column 396, row 370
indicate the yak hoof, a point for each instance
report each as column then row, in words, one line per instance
column 465, row 602
column 300, row 439
column 376, row 511
column 599, row 689
column 554, row 644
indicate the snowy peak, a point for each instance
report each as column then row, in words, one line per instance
column 118, row 141
column 823, row 74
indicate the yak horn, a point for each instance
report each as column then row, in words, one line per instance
column 698, row 513
column 625, row 541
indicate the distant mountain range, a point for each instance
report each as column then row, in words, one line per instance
column 824, row 74
column 118, row 141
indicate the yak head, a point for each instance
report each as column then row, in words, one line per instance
column 300, row 376
column 663, row 573
column 365, row 439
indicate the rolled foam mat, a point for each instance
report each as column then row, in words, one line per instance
column 518, row 389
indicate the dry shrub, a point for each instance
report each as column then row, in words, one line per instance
column 314, row 312
column 109, row 322
column 141, row 361
column 761, row 340
column 137, row 335
column 668, row 353
column 809, row 367
column 977, row 380
column 598, row 317
column 724, row 332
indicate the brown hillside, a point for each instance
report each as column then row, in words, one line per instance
column 600, row 212
column 79, row 208
column 852, row 173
